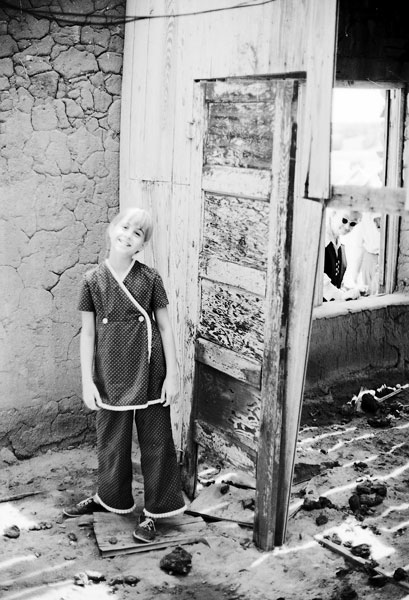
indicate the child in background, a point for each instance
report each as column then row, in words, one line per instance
column 129, row 373
column 339, row 223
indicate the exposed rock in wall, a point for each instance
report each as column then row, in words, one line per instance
column 60, row 88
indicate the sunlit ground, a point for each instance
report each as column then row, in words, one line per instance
column 10, row 515
column 64, row 590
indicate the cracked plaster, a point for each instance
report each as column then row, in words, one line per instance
column 59, row 158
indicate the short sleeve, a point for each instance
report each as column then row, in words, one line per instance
column 159, row 297
column 85, row 301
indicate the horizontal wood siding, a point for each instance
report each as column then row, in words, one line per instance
column 235, row 230
column 235, row 181
column 232, row 318
column 229, row 404
column 233, row 274
column 228, row 362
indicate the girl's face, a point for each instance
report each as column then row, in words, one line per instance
column 342, row 222
column 126, row 238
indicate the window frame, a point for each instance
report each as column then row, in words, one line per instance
column 393, row 177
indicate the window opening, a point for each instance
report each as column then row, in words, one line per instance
column 355, row 258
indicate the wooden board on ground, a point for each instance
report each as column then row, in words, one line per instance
column 175, row 531
column 229, row 506
column 19, row 493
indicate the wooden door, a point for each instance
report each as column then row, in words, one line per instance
column 246, row 221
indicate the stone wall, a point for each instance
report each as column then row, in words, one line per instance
column 60, row 89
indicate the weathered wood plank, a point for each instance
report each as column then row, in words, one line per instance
column 320, row 57
column 246, row 183
column 228, row 362
column 276, row 323
column 194, row 208
column 232, row 274
column 229, row 404
column 250, row 90
column 236, row 230
column 232, row 318
column 308, row 216
column 388, row 256
column 222, row 446
column 239, row 134
column 384, row 200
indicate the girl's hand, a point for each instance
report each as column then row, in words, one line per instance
column 170, row 389
column 91, row 396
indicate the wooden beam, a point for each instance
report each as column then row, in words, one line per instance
column 233, row 274
column 308, row 217
column 276, row 321
column 246, row 183
column 365, row 199
column 320, row 58
column 228, row 362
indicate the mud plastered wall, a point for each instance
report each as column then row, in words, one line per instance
column 59, row 159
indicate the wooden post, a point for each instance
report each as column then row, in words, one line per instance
column 276, row 319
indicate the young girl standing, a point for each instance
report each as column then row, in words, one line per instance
column 129, row 373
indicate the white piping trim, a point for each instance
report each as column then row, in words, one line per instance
column 135, row 303
column 172, row 513
column 133, row 407
column 117, row 511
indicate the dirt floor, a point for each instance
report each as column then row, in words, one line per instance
column 355, row 448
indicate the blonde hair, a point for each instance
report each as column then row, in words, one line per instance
column 137, row 217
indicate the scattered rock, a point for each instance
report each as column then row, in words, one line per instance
column 321, row 519
column 113, row 540
column 360, row 466
column 95, row 576
column 380, row 422
column 224, row 488
column 370, row 499
column 248, row 503
column 322, row 502
column 124, row 579
column 354, row 503
column 12, row 532
column 400, row 574
column 179, row 562
column 346, row 593
column 40, row 526
column 72, row 536
column 362, row 550
column 81, row 579
column 377, row 580
column 369, row 403
column 7, row 457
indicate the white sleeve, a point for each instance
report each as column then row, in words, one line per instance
column 330, row 292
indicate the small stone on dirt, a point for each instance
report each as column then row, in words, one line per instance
column 113, row 540
column 377, row 580
column 95, row 576
column 7, row 457
column 12, row 532
column 178, row 562
column 131, row 579
column 81, row 579
column 224, row 488
column 321, row 519
column 400, row 574
column 362, row 550
column 72, row 537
